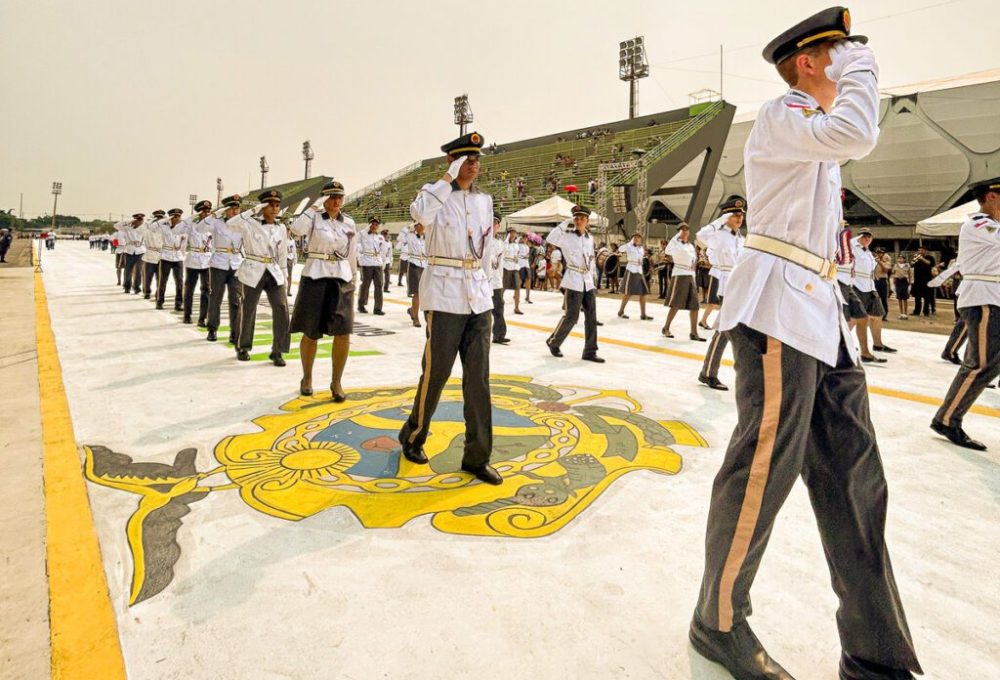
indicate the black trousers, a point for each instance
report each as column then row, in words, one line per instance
column 167, row 268
column 716, row 348
column 133, row 267
column 499, row 323
column 923, row 298
column 149, row 272
column 575, row 301
column 387, row 276
column 980, row 367
column 801, row 417
column 661, row 282
column 882, row 288
column 278, row 300
column 369, row 276
column 959, row 334
column 192, row 277
column 223, row 281
column 403, row 267
column 467, row 336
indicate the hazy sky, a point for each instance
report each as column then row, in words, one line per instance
column 135, row 105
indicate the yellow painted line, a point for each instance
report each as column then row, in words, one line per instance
column 83, row 630
column 881, row 391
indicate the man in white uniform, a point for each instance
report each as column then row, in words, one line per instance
column 979, row 306
column 198, row 242
column 227, row 255
column 511, row 268
column 133, row 253
column 456, row 294
column 370, row 261
column 386, row 254
column 171, row 259
column 152, row 239
column 497, row 251
column 402, row 245
column 801, row 392
column 577, row 247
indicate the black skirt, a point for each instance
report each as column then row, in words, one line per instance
column 511, row 279
column 713, row 292
column 853, row 307
column 902, row 289
column 683, row 294
column 413, row 273
column 323, row 307
column 635, row 284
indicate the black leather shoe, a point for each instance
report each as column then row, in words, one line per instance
column 713, row 383
column 337, row 397
column 872, row 359
column 884, row 348
column 622, row 315
column 645, row 317
column 556, row 352
column 697, row 338
column 853, row 668
column 362, row 310
column 415, row 454
column 212, row 337
column 243, row 355
column 379, row 312
column 187, row 319
column 953, row 358
column 178, row 309
column 485, row 473
column 159, row 306
column 231, row 340
column 202, row 324
column 145, row 297
column 666, row 334
column 956, row 435
column 598, row 323
column 276, row 359
column 593, row 357
column 504, row 341
column 738, row 651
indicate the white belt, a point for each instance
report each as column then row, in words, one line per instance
column 682, row 268
column 989, row 278
column 581, row 270
column 152, row 249
column 257, row 258
column 826, row 269
column 469, row 263
column 324, row 256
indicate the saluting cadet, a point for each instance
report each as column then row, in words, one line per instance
column 386, row 254
column 801, row 393
column 456, row 295
column 511, row 271
column 171, row 257
column 417, row 252
column 864, row 288
column 152, row 240
column 683, row 289
column 226, row 259
column 263, row 269
column 132, row 236
column 635, row 282
column 402, row 245
column 577, row 247
column 370, row 260
column 293, row 256
column 495, row 255
column 854, row 311
column 979, row 307
column 724, row 240
column 523, row 266
column 325, row 302
column 198, row 241
column 119, row 246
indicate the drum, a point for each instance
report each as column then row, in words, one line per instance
column 601, row 257
column 645, row 267
column 611, row 265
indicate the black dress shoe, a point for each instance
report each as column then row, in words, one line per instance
column 276, row 359
column 159, row 306
column 956, row 435
column 593, row 357
column 518, row 311
column 337, row 397
column 243, row 355
column 884, row 348
column 231, row 340
column 362, row 310
column 622, row 315
column 379, row 312
column 702, row 324
column 697, row 338
column 212, row 337
column 953, row 358
column 666, row 334
column 556, row 352
column 415, row 454
column 187, row 319
column 713, row 383
column 202, row 324
column 504, row 341
column 872, row 359
column 178, row 309
column 645, row 318
column 598, row 323
column 145, row 297
column 485, row 473
column 738, row 651
column 853, row 668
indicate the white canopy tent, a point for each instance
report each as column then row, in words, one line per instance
column 549, row 213
column 949, row 222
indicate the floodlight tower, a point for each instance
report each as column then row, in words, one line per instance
column 218, row 191
column 463, row 113
column 632, row 66
column 56, row 190
column 192, row 199
column 263, row 171
column 307, row 156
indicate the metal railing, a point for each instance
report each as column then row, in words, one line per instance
column 382, row 182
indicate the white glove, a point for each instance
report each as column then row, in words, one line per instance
column 456, row 167
column 848, row 57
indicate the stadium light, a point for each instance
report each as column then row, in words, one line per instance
column 307, row 156
column 192, row 199
column 56, row 190
column 218, row 191
column 632, row 65
column 263, row 171
column 463, row 113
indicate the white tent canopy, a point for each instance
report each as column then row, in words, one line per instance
column 550, row 212
column 949, row 222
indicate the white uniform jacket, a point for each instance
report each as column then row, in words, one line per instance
column 227, row 245
column 979, row 255
column 197, row 242
column 263, row 246
column 685, row 256
column 578, row 256
column 152, row 241
column 724, row 248
column 333, row 245
column 171, row 240
column 370, row 249
column 511, row 250
column 496, row 251
column 416, row 246
column 133, row 240
column 633, row 255
column 864, row 267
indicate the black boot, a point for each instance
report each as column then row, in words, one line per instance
column 739, row 651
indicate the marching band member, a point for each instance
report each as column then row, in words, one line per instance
column 171, row 257
column 683, row 289
column 523, row 266
column 577, row 247
column 635, row 281
column 227, row 256
column 402, row 245
column 871, row 303
column 293, row 256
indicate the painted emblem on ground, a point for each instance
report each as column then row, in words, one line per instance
column 557, row 447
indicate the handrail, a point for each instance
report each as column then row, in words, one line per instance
column 382, row 182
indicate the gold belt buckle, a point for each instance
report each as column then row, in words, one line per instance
column 468, row 263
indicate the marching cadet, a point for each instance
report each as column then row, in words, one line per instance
column 635, row 282
column 524, row 266
column 724, row 240
column 119, row 246
column 801, row 398
column 386, row 254
column 293, row 255
column 979, row 307
column 578, row 281
column 171, row 257
column 226, row 259
column 324, row 304
column 262, row 269
column 683, row 289
column 402, row 245
column 417, row 253
column 511, row 271
column 152, row 240
column 871, row 303
column 496, row 254
column 370, row 260
column 456, row 295
column 133, row 252
column 197, row 240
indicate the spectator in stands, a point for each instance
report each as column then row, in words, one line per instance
column 923, row 265
column 520, row 187
column 592, row 187
column 902, row 275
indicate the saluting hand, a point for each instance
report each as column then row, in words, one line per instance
column 455, row 168
column 849, row 57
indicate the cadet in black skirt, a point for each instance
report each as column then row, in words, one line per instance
column 417, row 250
column 325, row 301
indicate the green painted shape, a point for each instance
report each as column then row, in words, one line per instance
column 505, row 448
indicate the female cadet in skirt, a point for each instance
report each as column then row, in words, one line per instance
column 683, row 289
column 325, row 301
column 416, row 249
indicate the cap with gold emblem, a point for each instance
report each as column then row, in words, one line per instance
column 980, row 188
column 374, row 220
column 270, row 196
column 175, row 212
column 158, row 214
column 138, row 216
column 830, row 24
column 580, row 210
column 465, row 145
column 202, row 206
column 734, row 204
column 497, row 219
column 333, row 188
column 232, row 201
